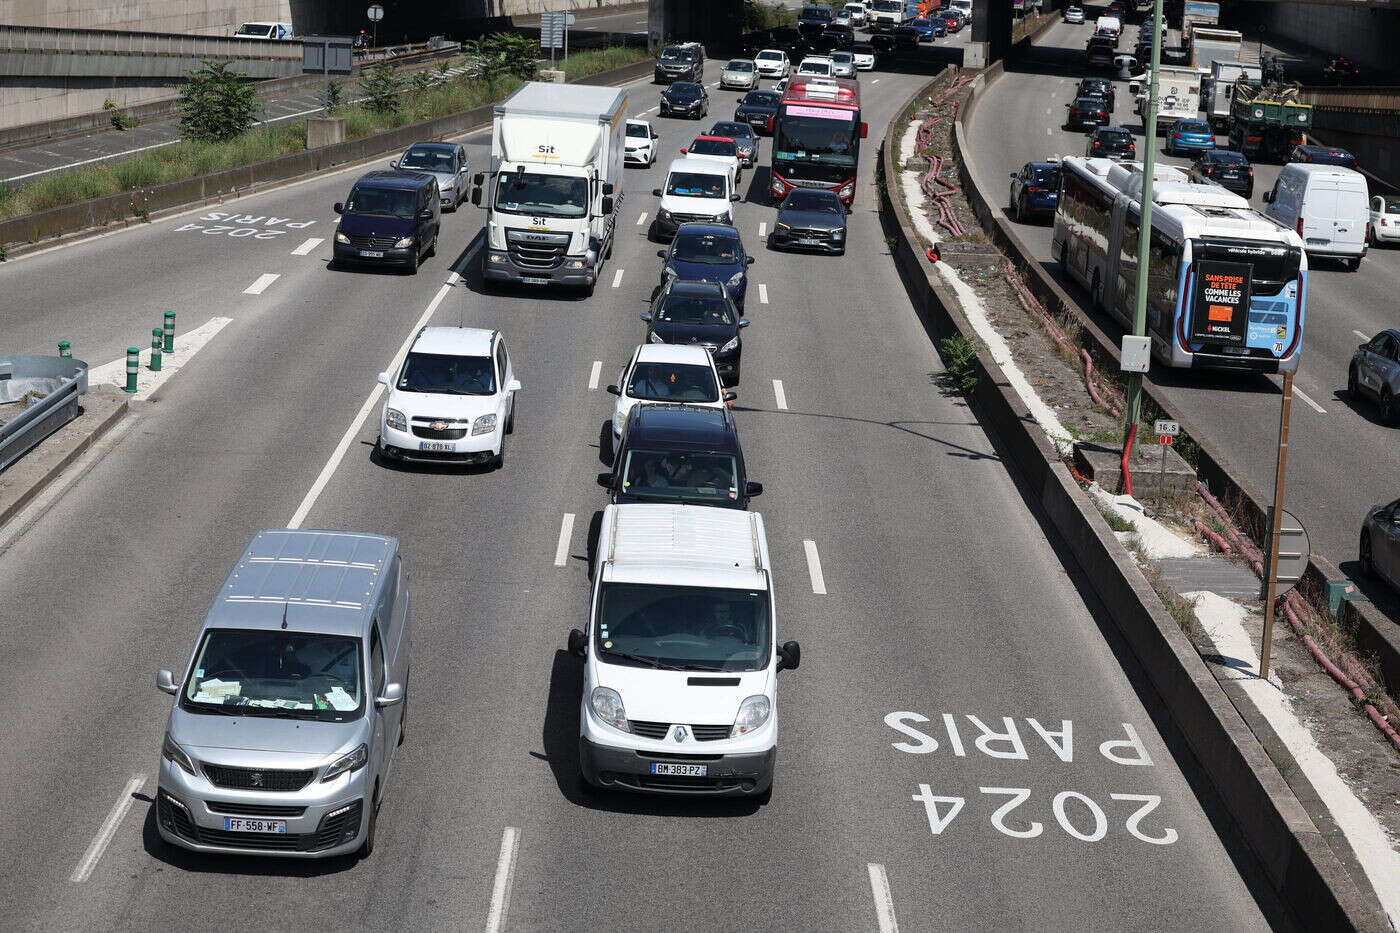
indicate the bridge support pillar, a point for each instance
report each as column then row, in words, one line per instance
column 991, row 33
column 716, row 21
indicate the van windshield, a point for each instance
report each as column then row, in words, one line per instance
column 683, row 627
column 287, row 675
column 681, row 475
column 390, row 202
column 543, row 195
column 695, row 185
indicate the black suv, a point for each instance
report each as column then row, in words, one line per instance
column 680, row 63
column 681, row 454
column 812, row 21
column 697, row 312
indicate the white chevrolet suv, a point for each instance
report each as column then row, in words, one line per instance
column 681, row 656
column 452, row 401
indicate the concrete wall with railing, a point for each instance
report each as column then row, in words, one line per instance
column 208, row 17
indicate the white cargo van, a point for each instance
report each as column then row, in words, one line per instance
column 265, row 31
column 681, row 654
column 1328, row 206
column 962, row 6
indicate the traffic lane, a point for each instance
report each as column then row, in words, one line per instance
column 1236, row 415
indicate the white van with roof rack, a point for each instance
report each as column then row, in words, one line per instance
column 681, row 654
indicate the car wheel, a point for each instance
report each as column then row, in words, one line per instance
column 1368, row 565
column 1354, row 263
column 367, row 846
column 1388, row 409
column 500, row 460
column 413, row 263
column 1353, row 384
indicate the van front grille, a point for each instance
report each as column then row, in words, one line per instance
column 257, row 778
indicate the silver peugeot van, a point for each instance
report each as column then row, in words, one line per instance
column 282, row 735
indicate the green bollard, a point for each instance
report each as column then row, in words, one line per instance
column 64, row 349
column 156, row 333
column 170, row 332
column 133, row 365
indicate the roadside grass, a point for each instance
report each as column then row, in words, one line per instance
column 188, row 159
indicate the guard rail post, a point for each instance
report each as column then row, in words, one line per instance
column 155, row 349
column 133, row 365
column 170, row 332
column 65, row 349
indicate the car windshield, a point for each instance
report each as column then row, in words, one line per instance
column 1115, row 137
column 638, row 131
column 705, row 627
column 705, row 247
column 731, row 129
column 770, row 56
column 1088, row 103
column 684, row 89
column 427, row 160
column 863, row 49
column 714, row 147
column 662, row 474
column 695, row 185
column 842, row 58
column 739, row 65
column 260, row 30
column 1225, row 155
column 278, row 673
column 673, row 382
column 820, row 202
column 541, row 195
column 761, row 99
column 390, row 202
column 695, row 309
column 447, row 375
column 1392, row 203
column 816, row 68
column 1192, row 126
column 1048, row 177
column 672, row 51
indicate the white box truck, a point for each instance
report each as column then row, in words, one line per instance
column 1196, row 14
column 1178, row 95
column 1221, row 89
column 555, row 184
column 1214, row 45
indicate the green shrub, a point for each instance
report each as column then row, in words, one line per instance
column 381, row 86
column 960, row 359
column 216, row 104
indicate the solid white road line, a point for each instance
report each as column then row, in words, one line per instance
column 1309, row 402
column 594, row 374
column 642, row 219
column 566, row 534
column 884, row 904
column 260, row 286
column 617, row 277
column 762, row 230
column 351, row 432
column 505, row 874
column 779, row 394
column 814, row 568
column 1362, row 336
column 308, row 246
column 186, row 346
column 103, row 158
column 107, row 830
column 762, row 294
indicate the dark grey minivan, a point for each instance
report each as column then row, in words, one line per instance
column 391, row 218
column 286, row 718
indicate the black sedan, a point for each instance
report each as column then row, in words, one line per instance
column 757, row 109
column 810, row 218
column 744, row 138
column 702, row 313
column 685, row 99
column 1086, row 113
column 1097, row 87
column 1111, row 142
column 1228, row 169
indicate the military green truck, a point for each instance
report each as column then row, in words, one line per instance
column 1266, row 120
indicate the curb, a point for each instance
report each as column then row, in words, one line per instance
column 1292, row 854
column 108, row 407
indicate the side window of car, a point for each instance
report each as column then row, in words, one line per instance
column 501, row 360
column 376, row 659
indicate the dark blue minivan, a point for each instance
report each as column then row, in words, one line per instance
column 390, row 218
column 1035, row 191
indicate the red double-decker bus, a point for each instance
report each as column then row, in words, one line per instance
column 816, row 137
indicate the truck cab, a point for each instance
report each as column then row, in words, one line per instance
column 555, row 184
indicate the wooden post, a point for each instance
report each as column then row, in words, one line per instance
column 1275, row 522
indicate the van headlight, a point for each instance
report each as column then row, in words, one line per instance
column 736, row 280
column 753, row 713
column 393, row 418
column 656, row 338
column 342, row 238
column 174, row 753
column 663, row 214
column 607, row 706
column 403, row 243
column 731, row 345
column 485, row 424
column 351, row 762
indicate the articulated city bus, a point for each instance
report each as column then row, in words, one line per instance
column 816, row 137
column 1226, row 286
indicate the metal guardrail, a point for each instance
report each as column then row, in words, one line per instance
column 60, row 380
column 159, row 44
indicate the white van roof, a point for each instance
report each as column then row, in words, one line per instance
column 691, row 545
column 1339, row 173
column 698, row 166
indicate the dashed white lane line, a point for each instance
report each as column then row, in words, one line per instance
column 1047, row 131
column 566, row 534
column 617, row 277
column 593, row 375
column 762, row 230
column 107, row 830
column 305, row 248
column 884, row 903
column 1309, row 402
column 505, row 875
column 353, row 431
column 642, row 218
column 260, row 286
column 147, row 381
column 1362, row 336
column 762, row 294
column 814, row 568
column 876, row 81
column 779, row 395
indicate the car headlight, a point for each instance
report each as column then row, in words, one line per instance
column 663, row 214
column 783, row 225
column 484, row 424
column 403, row 243
column 735, row 280
column 395, row 419
column 342, row 238
column 447, row 185
column 174, row 753
column 353, row 762
column 730, row 346
column 722, row 219
column 607, row 706
column 656, row 338
column 846, row 190
column 496, row 257
column 753, row 713
column 839, row 234
column 574, row 264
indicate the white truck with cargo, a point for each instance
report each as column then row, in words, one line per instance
column 555, row 184
column 1178, row 95
column 1221, row 89
column 1210, row 44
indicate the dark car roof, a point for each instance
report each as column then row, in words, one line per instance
column 720, row 230
column 1113, row 129
column 1225, row 155
column 740, row 127
column 762, row 98
column 683, row 86
column 404, row 181
column 682, row 427
column 435, row 147
column 1095, row 101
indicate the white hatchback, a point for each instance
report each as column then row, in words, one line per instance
column 452, row 401
column 772, row 63
column 640, row 143
column 663, row 373
column 1385, row 219
column 864, row 57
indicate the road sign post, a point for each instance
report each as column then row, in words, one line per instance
column 1275, row 523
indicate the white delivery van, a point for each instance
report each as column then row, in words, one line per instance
column 265, row 31
column 697, row 191
column 681, row 655
column 1328, row 206
column 962, row 6
column 1106, row 25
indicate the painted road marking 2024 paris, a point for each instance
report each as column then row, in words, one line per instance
column 1077, row 814
column 239, row 226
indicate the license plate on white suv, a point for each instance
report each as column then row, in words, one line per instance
column 237, row 824
column 658, row 767
column 439, row 446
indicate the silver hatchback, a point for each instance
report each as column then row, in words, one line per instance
column 447, row 162
column 282, row 735
column 1380, row 542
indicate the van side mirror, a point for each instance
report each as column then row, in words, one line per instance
column 394, row 163
column 392, row 696
column 426, row 214
column 1268, row 197
column 513, row 385
column 578, row 643
column 383, row 379
column 734, row 196
column 646, row 316
column 476, row 197
column 614, row 390
column 656, row 192
column 789, row 656
column 605, row 480
column 165, row 683
column 479, row 179
column 730, row 395
column 683, row 152
column 743, row 322
column 661, row 254
column 607, row 204
column 753, row 489
column 607, row 187
column 339, row 208
column 748, row 260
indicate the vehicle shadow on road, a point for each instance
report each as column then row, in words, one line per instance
column 907, row 427
column 221, row 864
column 427, row 468
column 560, row 740
column 1366, row 408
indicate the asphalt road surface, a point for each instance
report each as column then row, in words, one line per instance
column 1341, row 458
column 947, row 616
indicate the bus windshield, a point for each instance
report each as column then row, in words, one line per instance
column 816, row 140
